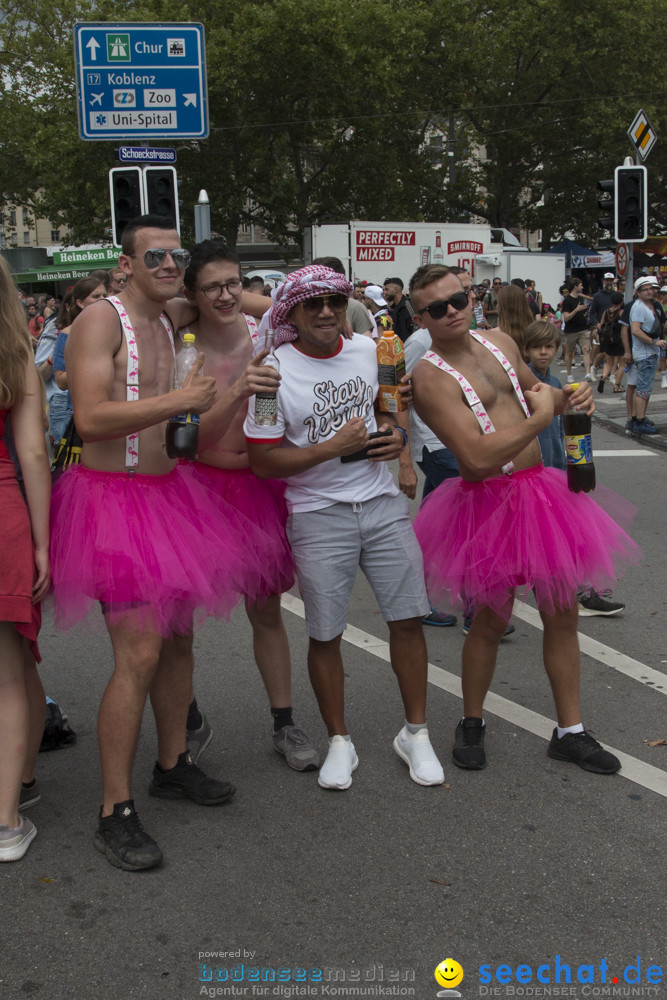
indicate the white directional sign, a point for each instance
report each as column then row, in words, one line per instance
column 141, row 81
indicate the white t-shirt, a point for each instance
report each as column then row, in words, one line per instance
column 317, row 397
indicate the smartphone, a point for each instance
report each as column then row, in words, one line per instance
column 357, row 456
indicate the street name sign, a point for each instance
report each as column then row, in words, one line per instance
column 146, row 154
column 141, row 81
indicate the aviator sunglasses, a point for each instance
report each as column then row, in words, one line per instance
column 156, row 256
column 439, row 309
column 317, row 303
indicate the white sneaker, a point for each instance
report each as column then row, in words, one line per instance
column 594, row 373
column 342, row 760
column 570, row 379
column 15, row 841
column 416, row 750
column 588, row 378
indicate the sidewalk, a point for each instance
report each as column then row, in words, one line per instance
column 611, row 413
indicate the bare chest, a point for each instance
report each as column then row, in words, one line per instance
column 151, row 357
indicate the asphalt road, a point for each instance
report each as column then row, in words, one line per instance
column 367, row 890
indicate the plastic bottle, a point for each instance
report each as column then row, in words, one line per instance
column 578, row 450
column 182, row 435
column 266, row 403
column 391, row 369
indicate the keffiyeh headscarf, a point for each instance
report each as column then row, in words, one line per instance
column 301, row 285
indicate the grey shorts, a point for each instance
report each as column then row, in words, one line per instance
column 329, row 545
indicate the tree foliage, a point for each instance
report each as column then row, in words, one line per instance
column 325, row 110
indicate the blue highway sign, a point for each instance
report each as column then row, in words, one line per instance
column 141, row 81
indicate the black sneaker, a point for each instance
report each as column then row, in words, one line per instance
column 187, row 781
column 468, row 751
column 439, row 618
column 123, row 840
column 467, row 625
column 582, row 749
column 596, row 605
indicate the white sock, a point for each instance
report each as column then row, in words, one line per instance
column 579, row 728
column 414, row 727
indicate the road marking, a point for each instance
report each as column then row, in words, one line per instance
column 654, row 679
column 615, row 453
column 634, row 770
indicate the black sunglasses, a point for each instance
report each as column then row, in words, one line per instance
column 317, row 302
column 439, row 309
column 156, row 256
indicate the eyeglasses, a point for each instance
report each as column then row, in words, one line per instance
column 317, row 303
column 439, row 309
column 156, row 256
column 214, row 292
column 497, row 282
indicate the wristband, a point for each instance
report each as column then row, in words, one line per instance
column 405, row 436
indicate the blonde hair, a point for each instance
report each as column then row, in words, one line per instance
column 15, row 345
column 514, row 315
column 538, row 333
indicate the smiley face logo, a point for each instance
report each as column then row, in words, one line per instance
column 449, row 973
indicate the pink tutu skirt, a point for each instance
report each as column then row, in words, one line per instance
column 263, row 503
column 166, row 549
column 483, row 541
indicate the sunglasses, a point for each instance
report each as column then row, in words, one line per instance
column 317, row 303
column 437, row 310
column 156, row 256
column 214, row 292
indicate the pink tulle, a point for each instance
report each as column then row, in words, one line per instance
column 263, row 503
column 522, row 532
column 165, row 548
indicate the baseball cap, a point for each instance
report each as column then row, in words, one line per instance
column 645, row 279
column 374, row 292
column 608, row 275
column 664, row 288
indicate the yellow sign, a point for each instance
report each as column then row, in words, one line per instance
column 642, row 135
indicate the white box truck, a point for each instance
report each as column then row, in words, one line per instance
column 373, row 251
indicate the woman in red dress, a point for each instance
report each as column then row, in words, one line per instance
column 25, row 576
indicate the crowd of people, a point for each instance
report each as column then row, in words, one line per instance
column 275, row 503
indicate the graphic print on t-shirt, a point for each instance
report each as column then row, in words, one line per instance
column 336, row 404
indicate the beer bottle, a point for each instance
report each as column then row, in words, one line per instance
column 266, row 403
column 578, row 449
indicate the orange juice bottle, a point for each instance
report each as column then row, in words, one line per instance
column 391, row 369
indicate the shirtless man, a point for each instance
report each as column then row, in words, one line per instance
column 494, row 530
column 137, row 549
column 227, row 337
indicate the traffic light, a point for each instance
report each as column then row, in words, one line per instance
column 127, row 198
column 607, row 204
column 631, row 204
column 162, row 192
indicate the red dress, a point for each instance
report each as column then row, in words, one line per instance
column 17, row 564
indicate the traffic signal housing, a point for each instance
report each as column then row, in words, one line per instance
column 631, row 204
column 127, row 198
column 607, row 203
column 162, row 193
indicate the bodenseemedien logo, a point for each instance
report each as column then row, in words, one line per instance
column 448, row 974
